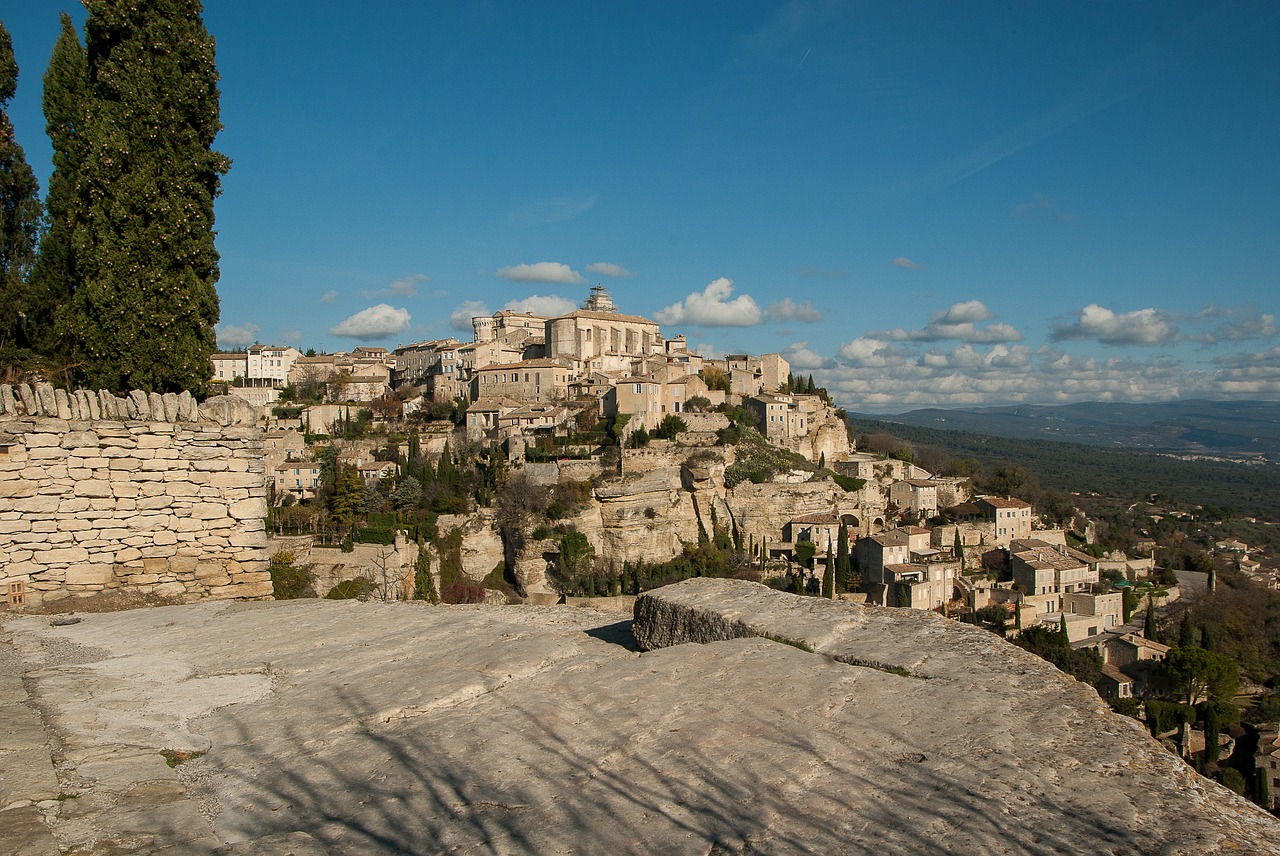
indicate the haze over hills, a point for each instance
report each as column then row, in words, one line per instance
column 1226, row 429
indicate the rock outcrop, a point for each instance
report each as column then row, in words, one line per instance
column 343, row 727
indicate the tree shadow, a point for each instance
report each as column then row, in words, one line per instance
column 549, row 770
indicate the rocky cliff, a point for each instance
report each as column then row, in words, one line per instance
column 342, row 727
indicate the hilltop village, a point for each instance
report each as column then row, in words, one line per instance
column 645, row 450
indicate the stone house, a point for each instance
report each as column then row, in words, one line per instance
column 418, row 362
column 648, row 399
column 483, row 415
column 526, row 381
column 904, row 557
column 300, row 478
column 1040, row 568
column 821, row 529
column 784, row 417
column 320, row 418
column 919, row 585
column 227, row 367
column 1132, row 654
column 750, row 375
column 917, row 496
column 261, row 365
column 366, row 381
column 862, row 465
column 1114, row 683
column 1011, row 517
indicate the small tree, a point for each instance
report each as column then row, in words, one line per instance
column 670, row 426
column 574, row 571
column 1196, row 674
column 844, row 565
column 829, row 575
column 424, row 585
column 288, row 581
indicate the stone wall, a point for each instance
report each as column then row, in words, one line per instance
column 148, row 494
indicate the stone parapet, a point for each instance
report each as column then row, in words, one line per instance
column 150, row 494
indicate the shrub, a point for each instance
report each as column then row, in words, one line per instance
column 357, row 589
column 288, row 581
column 463, row 591
column 377, row 535
column 848, row 484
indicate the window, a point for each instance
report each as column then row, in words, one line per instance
column 639, row 388
column 18, row 593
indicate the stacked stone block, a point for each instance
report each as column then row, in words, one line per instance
column 151, row 494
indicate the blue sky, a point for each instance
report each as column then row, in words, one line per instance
column 923, row 204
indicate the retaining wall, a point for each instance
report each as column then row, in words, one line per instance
column 150, row 494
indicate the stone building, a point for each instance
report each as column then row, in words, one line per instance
column 648, row 399
column 526, row 381
column 1012, row 517
column 598, row 329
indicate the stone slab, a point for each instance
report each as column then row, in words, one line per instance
column 351, row 727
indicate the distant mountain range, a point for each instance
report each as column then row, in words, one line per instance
column 1235, row 430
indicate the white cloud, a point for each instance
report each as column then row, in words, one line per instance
column 956, row 323
column 460, row 318
column 552, row 305
column 289, row 337
column 965, row 313
column 237, row 335
column 868, row 352
column 712, row 307
column 329, row 297
column 542, row 272
column 407, row 286
column 1237, row 325
column 376, row 322
column 788, row 310
column 609, row 269
column 802, row 357
column 904, row 262
column 1140, row 327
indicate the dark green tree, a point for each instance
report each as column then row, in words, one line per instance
column 844, row 565
column 54, row 279
column 20, row 219
column 1196, row 674
column 143, row 315
column 829, row 575
column 424, row 585
column 1187, row 635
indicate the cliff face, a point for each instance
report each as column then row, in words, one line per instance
column 345, row 727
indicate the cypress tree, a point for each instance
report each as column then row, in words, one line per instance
column 843, row 563
column 143, row 315
column 829, row 575
column 54, row 279
column 20, row 218
column 1186, row 631
column 1149, row 621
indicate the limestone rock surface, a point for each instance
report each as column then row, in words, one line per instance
column 346, row 727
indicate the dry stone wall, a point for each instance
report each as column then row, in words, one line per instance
column 150, row 494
